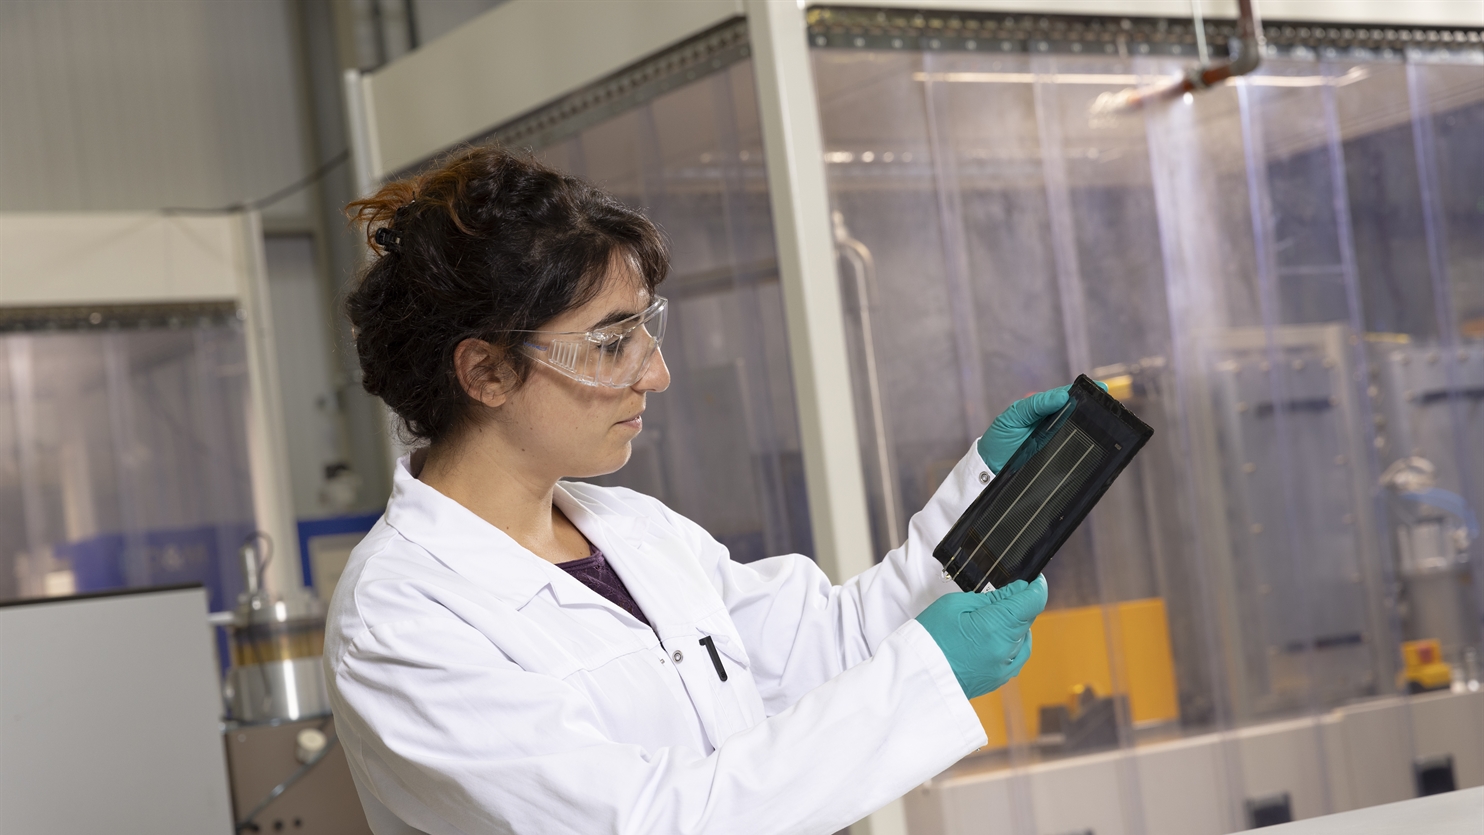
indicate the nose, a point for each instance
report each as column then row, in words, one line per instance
column 656, row 376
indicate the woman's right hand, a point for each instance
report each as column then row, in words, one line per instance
column 986, row 637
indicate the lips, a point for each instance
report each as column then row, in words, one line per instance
column 637, row 421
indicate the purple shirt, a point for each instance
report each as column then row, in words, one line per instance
column 595, row 573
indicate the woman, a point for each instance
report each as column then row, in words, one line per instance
column 511, row 652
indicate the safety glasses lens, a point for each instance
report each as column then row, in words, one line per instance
column 616, row 356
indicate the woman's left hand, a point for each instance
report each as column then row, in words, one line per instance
column 1015, row 424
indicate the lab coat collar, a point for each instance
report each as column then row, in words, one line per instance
column 482, row 553
column 487, row 556
column 663, row 577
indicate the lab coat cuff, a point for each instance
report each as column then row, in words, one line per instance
column 935, row 664
column 979, row 465
column 974, row 470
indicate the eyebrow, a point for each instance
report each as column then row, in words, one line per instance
column 619, row 315
column 614, row 318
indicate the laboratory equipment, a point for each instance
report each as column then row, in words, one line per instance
column 1423, row 668
column 288, row 771
column 276, row 643
column 293, row 777
column 1434, row 528
column 1044, row 491
column 1239, row 265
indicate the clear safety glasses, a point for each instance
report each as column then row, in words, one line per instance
column 614, row 355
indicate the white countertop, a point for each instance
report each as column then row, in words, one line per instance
column 1452, row 813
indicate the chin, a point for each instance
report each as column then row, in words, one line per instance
column 610, row 463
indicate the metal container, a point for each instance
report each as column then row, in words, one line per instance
column 277, row 690
column 276, row 644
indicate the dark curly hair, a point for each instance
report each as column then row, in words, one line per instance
column 484, row 243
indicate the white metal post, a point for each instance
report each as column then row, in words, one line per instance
column 267, row 442
column 793, row 146
column 794, row 149
column 366, row 168
column 365, row 161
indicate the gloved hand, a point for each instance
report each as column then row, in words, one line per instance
column 1014, row 425
column 986, row 637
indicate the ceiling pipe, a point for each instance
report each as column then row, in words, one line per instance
column 1199, row 77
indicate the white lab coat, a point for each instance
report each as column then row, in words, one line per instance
column 478, row 688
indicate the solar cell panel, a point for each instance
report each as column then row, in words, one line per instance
column 1044, row 492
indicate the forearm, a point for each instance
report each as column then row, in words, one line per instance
column 909, row 577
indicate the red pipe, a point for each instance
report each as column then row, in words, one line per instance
column 1199, row 77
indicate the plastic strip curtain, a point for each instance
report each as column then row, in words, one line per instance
column 722, row 445
column 123, row 460
column 1284, row 277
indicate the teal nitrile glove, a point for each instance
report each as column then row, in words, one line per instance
column 1014, row 425
column 986, row 637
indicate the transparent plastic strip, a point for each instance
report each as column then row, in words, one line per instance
column 1175, row 164
column 738, row 241
column 1263, row 235
column 1071, row 293
column 1384, row 569
column 955, row 252
column 125, row 437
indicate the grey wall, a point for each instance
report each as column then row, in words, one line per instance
column 139, row 104
column 378, row 31
column 305, row 372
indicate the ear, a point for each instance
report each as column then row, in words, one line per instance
column 483, row 372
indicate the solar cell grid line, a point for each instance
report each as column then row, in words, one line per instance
column 1088, row 449
column 1057, row 495
column 985, row 537
column 1018, row 512
column 1027, row 483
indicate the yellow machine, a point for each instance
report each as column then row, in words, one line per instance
column 1423, row 667
column 1071, row 663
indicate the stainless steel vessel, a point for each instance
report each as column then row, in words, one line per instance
column 276, row 644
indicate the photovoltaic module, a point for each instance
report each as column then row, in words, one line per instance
column 1044, row 492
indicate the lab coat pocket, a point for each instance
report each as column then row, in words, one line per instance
column 734, row 694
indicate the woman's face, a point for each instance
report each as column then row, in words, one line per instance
column 574, row 430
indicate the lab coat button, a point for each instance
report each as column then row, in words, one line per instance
column 678, row 656
column 984, row 476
